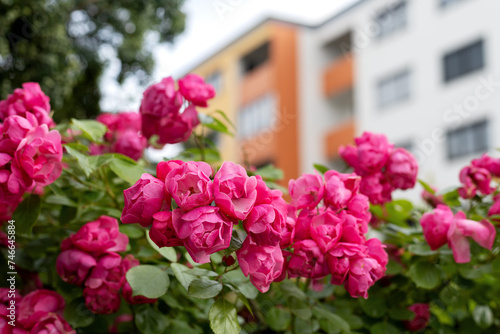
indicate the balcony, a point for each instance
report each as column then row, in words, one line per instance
column 340, row 135
column 338, row 77
column 256, row 83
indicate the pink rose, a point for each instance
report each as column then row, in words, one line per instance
column 307, row 260
column 195, row 90
column 370, row 154
column 161, row 99
column 264, row 225
column 432, row 199
column 307, row 191
column 326, row 230
column 435, row 226
column 36, row 304
column 190, row 185
column 128, row 262
column 234, row 191
column 37, row 159
column 102, row 300
column 353, row 228
column 264, row 264
column 350, row 155
column 130, row 143
column 288, row 231
column 376, row 251
column 269, row 196
column 402, row 169
column 360, row 276
column 128, row 121
column 340, row 189
column 338, row 257
column 421, row 319
column 482, row 232
column 164, row 167
column 28, row 99
column 14, row 131
column 73, row 266
column 492, row 165
column 474, row 179
column 52, row 323
column 303, row 225
column 162, row 232
column 377, row 188
column 359, row 207
column 145, row 198
column 99, row 236
column 204, row 231
column 178, row 128
column 495, row 209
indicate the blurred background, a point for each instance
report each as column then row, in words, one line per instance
column 297, row 78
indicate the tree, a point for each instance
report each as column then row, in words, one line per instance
column 60, row 43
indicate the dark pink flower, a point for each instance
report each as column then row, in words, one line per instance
column 432, row 199
column 338, row 261
column 175, row 129
column 235, row 192
column 162, row 232
column 99, row 236
column 161, row 99
column 29, row 99
column 36, row 304
column 288, row 231
column 102, row 300
column 340, row 189
column 492, row 165
column 52, row 323
column 14, row 131
column 307, row 191
column 360, row 275
column 194, row 89
column 370, row 154
column 474, row 179
column 353, row 228
column 190, row 185
column 164, row 167
column 402, row 169
column 494, row 209
column 435, row 226
column 204, row 231
column 307, row 260
column 326, row 230
column 303, row 225
column 264, row 225
column 377, row 188
column 130, row 143
column 74, row 265
column 359, row 207
column 421, row 319
column 145, row 198
column 264, row 264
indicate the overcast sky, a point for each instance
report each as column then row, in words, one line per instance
column 211, row 24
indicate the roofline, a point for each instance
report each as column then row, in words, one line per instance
column 339, row 14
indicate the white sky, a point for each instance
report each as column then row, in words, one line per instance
column 210, row 24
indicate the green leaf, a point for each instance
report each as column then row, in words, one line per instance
column 300, row 308
column 148, row 281
column 26, row 214
column 401, row 314
column 374, row 307
column 290, row 289
column 83, row 160
column 394, row 268
column 167, row 252
column 483, row 316
column 133, row 232
column 92, row 130
column 270, row 173
column 77, row 314
column 204, row 288
column 451, row 198
column 149, row 320
column 213, row 123
column 421, row 249
column 223, row 318
column 320, row 168
column 180, row 272
column 427, row 187
column 330, row 322
column 60, row 200
column 220, row 112
column 78, row 147
column 384, row 328
column 126, row 170
column 278, row 319
column 425, row 275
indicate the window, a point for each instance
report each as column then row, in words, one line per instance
column 394, row 89
column 463, row 61
column 257, row 116
column 392, row 18
column 215, row 79
column 469, row 139
column 255, row 58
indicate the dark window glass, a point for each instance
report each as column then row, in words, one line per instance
column 470, row 139
column 255, row 58
column 392, row 18
column 463, row 61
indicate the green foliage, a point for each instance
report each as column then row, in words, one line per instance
column 26, row 214
column 148, row 281
column 223, row 318
column 58, row 44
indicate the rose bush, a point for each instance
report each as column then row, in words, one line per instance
column 102, row 240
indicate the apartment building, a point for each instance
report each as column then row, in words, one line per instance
column 256, row 79
column 426, row 73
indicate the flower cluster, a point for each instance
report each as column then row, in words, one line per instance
column 207, row 206
column 326, row 227
column 39, row 311
column 442, row 227
column 123, row 135
column 161, row 108
column 421, row 319
column 89, row 258
column 382, row 167
column 30, row 153
column 477, row 176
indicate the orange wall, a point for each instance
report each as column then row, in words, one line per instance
column 338, row 76
column 341, row 135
